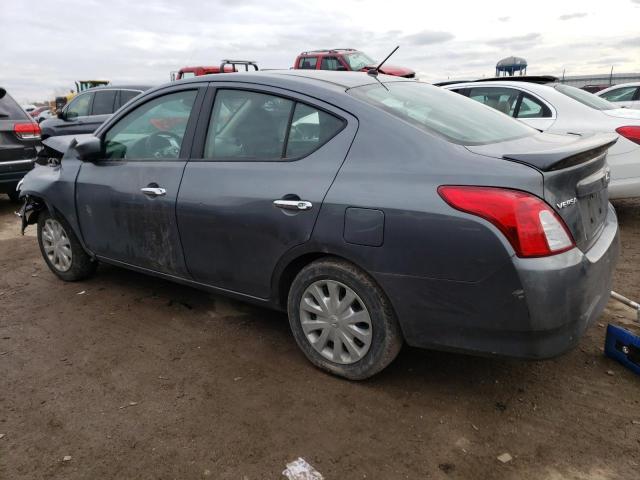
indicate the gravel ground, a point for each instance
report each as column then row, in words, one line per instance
column 125, row 376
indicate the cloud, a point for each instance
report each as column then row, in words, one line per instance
column 429, row 37
column 570, row 16
column 516, row 41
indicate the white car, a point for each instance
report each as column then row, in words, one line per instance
column 624, row 95
column 556, row 108
column 45, row 114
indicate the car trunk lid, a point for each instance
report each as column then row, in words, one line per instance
column 575, row 175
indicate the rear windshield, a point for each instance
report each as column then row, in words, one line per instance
column 586, row 98
column 9, row 109
column 453, row 116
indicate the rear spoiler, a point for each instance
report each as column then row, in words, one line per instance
column 566, row 156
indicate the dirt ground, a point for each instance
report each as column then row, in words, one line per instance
column 137, row 378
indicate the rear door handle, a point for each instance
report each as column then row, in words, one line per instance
column 293, row 204
column 153, row 191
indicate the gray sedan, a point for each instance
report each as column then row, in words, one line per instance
column 374, row 210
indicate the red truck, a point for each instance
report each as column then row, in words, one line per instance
column 346, row 59
column 227, row 66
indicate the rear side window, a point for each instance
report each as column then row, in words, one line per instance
column 442, row 112
column 79, row 106
column 9, row 109
column 252, row 126
column 329, row 63
column 502, row 99
column 530, row 107
column 623, row 94
column 103, row 103
column 308, row 63
column 127, row 95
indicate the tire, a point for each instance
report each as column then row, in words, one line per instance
column 14, row 196
column 79, row 265
column 362, row 320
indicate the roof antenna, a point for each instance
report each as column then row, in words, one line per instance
column 374, row 71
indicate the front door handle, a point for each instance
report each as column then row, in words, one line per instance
column 153, row 191
column 293, row 204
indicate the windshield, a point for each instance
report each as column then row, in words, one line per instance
column 586, row 98
column 358, row 60
column 458, row 118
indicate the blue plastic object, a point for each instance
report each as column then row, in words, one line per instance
column 623, row 346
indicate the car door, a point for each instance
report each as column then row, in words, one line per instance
column 623, row 96
column 75, row 114
column 126, row 200
column 263, row 161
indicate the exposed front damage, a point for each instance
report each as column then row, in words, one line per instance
column 50, row 179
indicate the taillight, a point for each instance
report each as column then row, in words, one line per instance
column 630, row 133
column 27, row 130
column 530, row 225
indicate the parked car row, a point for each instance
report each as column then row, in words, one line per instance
column 375, row 210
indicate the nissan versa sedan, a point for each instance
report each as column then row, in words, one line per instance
column 557, row 108
column 374, row 210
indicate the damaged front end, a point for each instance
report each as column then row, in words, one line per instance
column 29, row 211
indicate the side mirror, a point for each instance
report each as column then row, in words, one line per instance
column 60, row 114
column 89, row 149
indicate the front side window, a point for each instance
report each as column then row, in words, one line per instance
column 79, row 106
column 154, row 130
column 358, row 60
column 128, row 95
column 442, row 112
column 502, row 99
column 252, row 126
column 586, row 98
column 623, row 94
column 308, row 63
column 103, row 102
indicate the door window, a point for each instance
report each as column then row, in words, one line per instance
column 79, row 106
column 103, row 102
column 623, row 94
column 532, row 108
column 310, row 129
column 308, row 63
column 330, row 63
column 257, row 126
column 127, row 95
column 502, row 99
column 154, row 130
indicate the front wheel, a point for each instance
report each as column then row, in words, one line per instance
column 61, row 249
column 342, row 320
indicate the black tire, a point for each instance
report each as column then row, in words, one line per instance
column 386, row 336
column 82, row 265
column 14, row 196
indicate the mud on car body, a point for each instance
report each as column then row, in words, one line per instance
column 375, row 211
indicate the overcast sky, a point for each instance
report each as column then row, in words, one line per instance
column 46, row 44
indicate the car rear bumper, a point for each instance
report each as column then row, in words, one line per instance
column 11, row 172
column 533, row 308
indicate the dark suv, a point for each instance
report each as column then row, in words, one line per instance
column 19, row 135
column 88, row 110
column 345, row 59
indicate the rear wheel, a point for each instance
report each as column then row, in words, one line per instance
column 342, row 320
column 61, row 249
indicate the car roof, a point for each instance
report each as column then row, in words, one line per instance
column 329, row 50
column 142, row 88
column 541, row 87
column 328, row 79
column 619, row 85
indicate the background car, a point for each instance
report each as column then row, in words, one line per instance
column 375, row 214
column 89, row 109
column 44, row 115
column 557, row 108
column 346, row 59
column 19, row 135
column 623, row 95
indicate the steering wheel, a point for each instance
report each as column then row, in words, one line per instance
column 163, row 144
